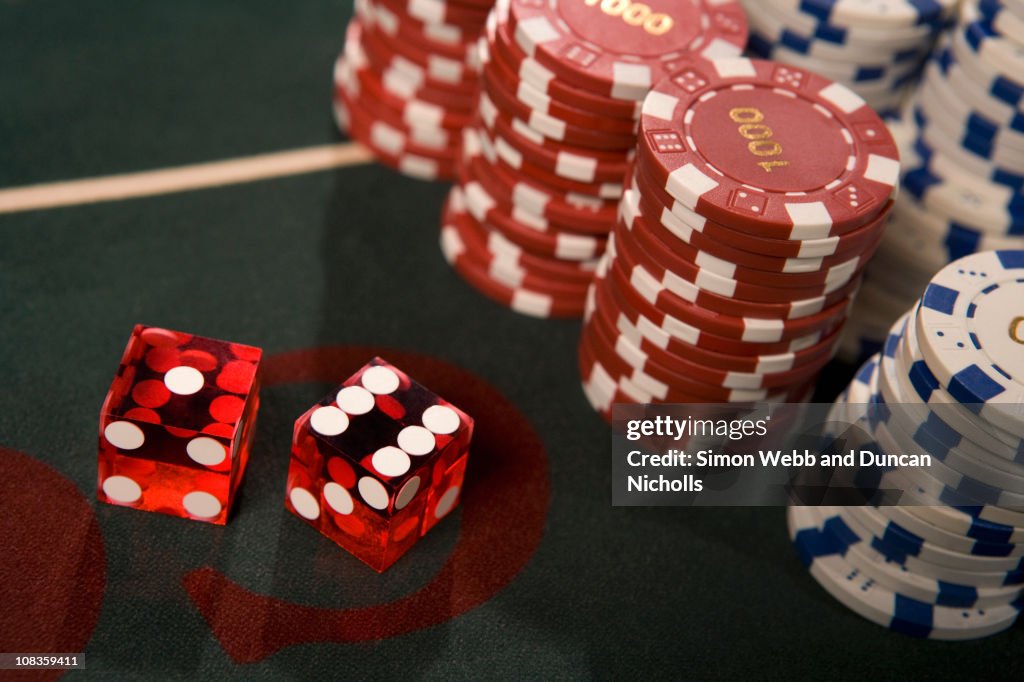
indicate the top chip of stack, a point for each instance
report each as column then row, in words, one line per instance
column 405, row 84
column 543, row 165
column 876, row 48
column 760, row 191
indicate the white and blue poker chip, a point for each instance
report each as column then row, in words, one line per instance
column 971, row 334
column 875, row 47
column 822, row 537
column 880, row 14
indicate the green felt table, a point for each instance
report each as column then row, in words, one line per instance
column 535, row 576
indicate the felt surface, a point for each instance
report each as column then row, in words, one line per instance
column 535, row 576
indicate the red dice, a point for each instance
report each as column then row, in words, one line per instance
column 377, row 463
column 177, row 424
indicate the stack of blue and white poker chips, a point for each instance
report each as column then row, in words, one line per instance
column 948, row 562
column 963, row 161
column 876, row 48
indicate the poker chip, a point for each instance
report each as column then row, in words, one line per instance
column 963, row 170
column 542, row 164
column 393, row 152
column 626, row 54
column 510, row 60
column 705, row 266
column 681, row 244
column 726, row 139
column 499, row 151
column 946, row 384
column 643, row 314
column 405, row 83
column 646, row 356
column 883, row 14
column 822, row 536
column 971, row 337
column 572, row 164
column 691, row 282
column 875, row 48
column 637, row 286
column 528, row 297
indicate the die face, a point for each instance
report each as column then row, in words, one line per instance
column 187, row 406
column 188, row 382
column 157, row 486
column 390, row 429
column 338, row 513
column 364, row 460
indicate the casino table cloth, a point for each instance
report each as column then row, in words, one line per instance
column 535, row 575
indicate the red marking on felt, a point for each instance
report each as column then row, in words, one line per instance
column 53, row 567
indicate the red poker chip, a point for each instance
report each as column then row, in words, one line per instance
column 550, row 244
column 384, row 60
column 350, row 70
column 452, row 72
column 630, row 250
column 486, row 195
column 776, row 357
column 847, row 244
column 520, row 299
column 580, row 132
column 404, row 159
column 682, row 391
column 627, row 301
column 702, row 243
column 503, row 53
column 485, row 5
column 551, row 130
column 748, row 329
column 413, row 88
column 660, row 364
column 456, row 249
column 438, row 12
column 486, row 238
column 439, row 140
column 537, row 211
column 576, row 163
column 389, row 126
column 644, row 333
column 461, row 241
column 591, row 117
column 452, row 42
column 621, row 54
column 577, row 127
column 679, row 254
column 498, row 151
column 602, row 390
column 650, row 255
column 562, row 211
column 768, row 148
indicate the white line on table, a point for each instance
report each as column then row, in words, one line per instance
column 182, row 178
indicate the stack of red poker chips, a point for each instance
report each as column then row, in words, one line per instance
column 543, row 163
column 405, row 84
column 758, row 194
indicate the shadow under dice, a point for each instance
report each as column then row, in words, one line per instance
column 177, row 424
column 377, row 463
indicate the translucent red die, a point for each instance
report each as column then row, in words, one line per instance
column 177, row 424
column 377, row 463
